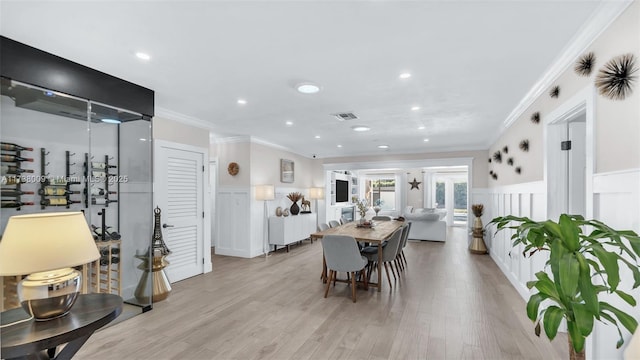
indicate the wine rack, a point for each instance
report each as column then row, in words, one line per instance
column 56, row 191
column 104, row 275
column 99, row 191
column 11, row 175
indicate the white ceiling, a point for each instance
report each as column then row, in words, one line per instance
column 471, row 62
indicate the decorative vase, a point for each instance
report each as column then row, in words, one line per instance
column 278, row 211
column 295, row 209
column 285, row 212
column 477, row 245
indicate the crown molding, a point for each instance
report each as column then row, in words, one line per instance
column 186, row 119
column 606, row 13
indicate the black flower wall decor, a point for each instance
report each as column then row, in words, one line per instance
column 585, row 63
column 535, row 117
column 489, row 160
column 490, row 172
column 510, row 161
column 524, row 145
column 616, row 77
column 554, row 92
column 505, row 149
column 497, row 157
column 494, row 176
column 518, row 170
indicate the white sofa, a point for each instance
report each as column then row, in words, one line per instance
column 426, row 224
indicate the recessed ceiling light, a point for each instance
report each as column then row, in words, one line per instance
column 143, row 56
column 143, row 139
column 317, row 136
column 420, row 127
column 426, row 140
column 289, row 123
column 111, row 121
column 405, row 76
column 415, row 108
column 242, row 101
column 383, row 146
column 360, row 128
column 339, row 145
column 308, row 88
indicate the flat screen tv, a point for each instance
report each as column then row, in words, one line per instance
column 342, row 191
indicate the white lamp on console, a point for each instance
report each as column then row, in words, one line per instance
column 265, row 193
column 47, row 246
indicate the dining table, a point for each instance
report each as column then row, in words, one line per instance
column 376, row 234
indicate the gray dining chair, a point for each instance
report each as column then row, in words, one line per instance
column 405, row 238
column 341, row 254
column 389, row 253
column 323, row 226
column 334, row 223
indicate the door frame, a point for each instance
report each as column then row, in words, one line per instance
column 206, row 221
column 583, row 101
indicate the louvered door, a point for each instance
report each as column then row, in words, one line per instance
column 179, row 193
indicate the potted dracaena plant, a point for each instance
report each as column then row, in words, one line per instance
column 582, row 265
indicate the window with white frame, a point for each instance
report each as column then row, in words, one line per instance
column 382, row 190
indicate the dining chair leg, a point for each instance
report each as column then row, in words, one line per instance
column 404, row 258
column 366, row 278
column 386, row 269
column 393, row 271
column 326, row 292
column 323, row 276
column 353, row 286
column 399, row 264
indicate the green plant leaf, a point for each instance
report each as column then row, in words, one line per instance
column 577, row 340
column 587, row 290
column 546, row 286
column 626, row 297
column 614, row 322
column 635, row 271
column 533, row 305
column 626, row 320
column 569, row 273
column 531, row 284
column 584, row 319
column 552, row 228
column 569, row 232
column 609, row 261
column 552, row 317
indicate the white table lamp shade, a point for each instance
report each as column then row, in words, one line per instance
column 316, row 193
column 265, row 192
column 46, row 241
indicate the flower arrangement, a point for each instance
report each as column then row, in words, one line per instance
column 294, row 196
column 478, row 209
column 362, row 204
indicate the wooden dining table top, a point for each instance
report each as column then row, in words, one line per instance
column 380, row 231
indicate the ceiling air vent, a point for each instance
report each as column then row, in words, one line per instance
column 345, row 116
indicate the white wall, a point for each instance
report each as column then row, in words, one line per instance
column 617, row 127
column 615, row 182
column 240, row 216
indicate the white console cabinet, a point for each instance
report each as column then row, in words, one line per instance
column 285, row 230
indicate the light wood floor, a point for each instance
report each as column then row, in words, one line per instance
column 448, row 304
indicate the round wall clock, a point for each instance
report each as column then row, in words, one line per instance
column 233, row 168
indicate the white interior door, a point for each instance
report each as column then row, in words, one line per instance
column 179, row 192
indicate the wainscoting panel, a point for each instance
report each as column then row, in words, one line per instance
column 528, row 199
column 233, row 222
column 616, row 203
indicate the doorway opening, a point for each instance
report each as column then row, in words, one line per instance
column 569, row 157
column 449, row 191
